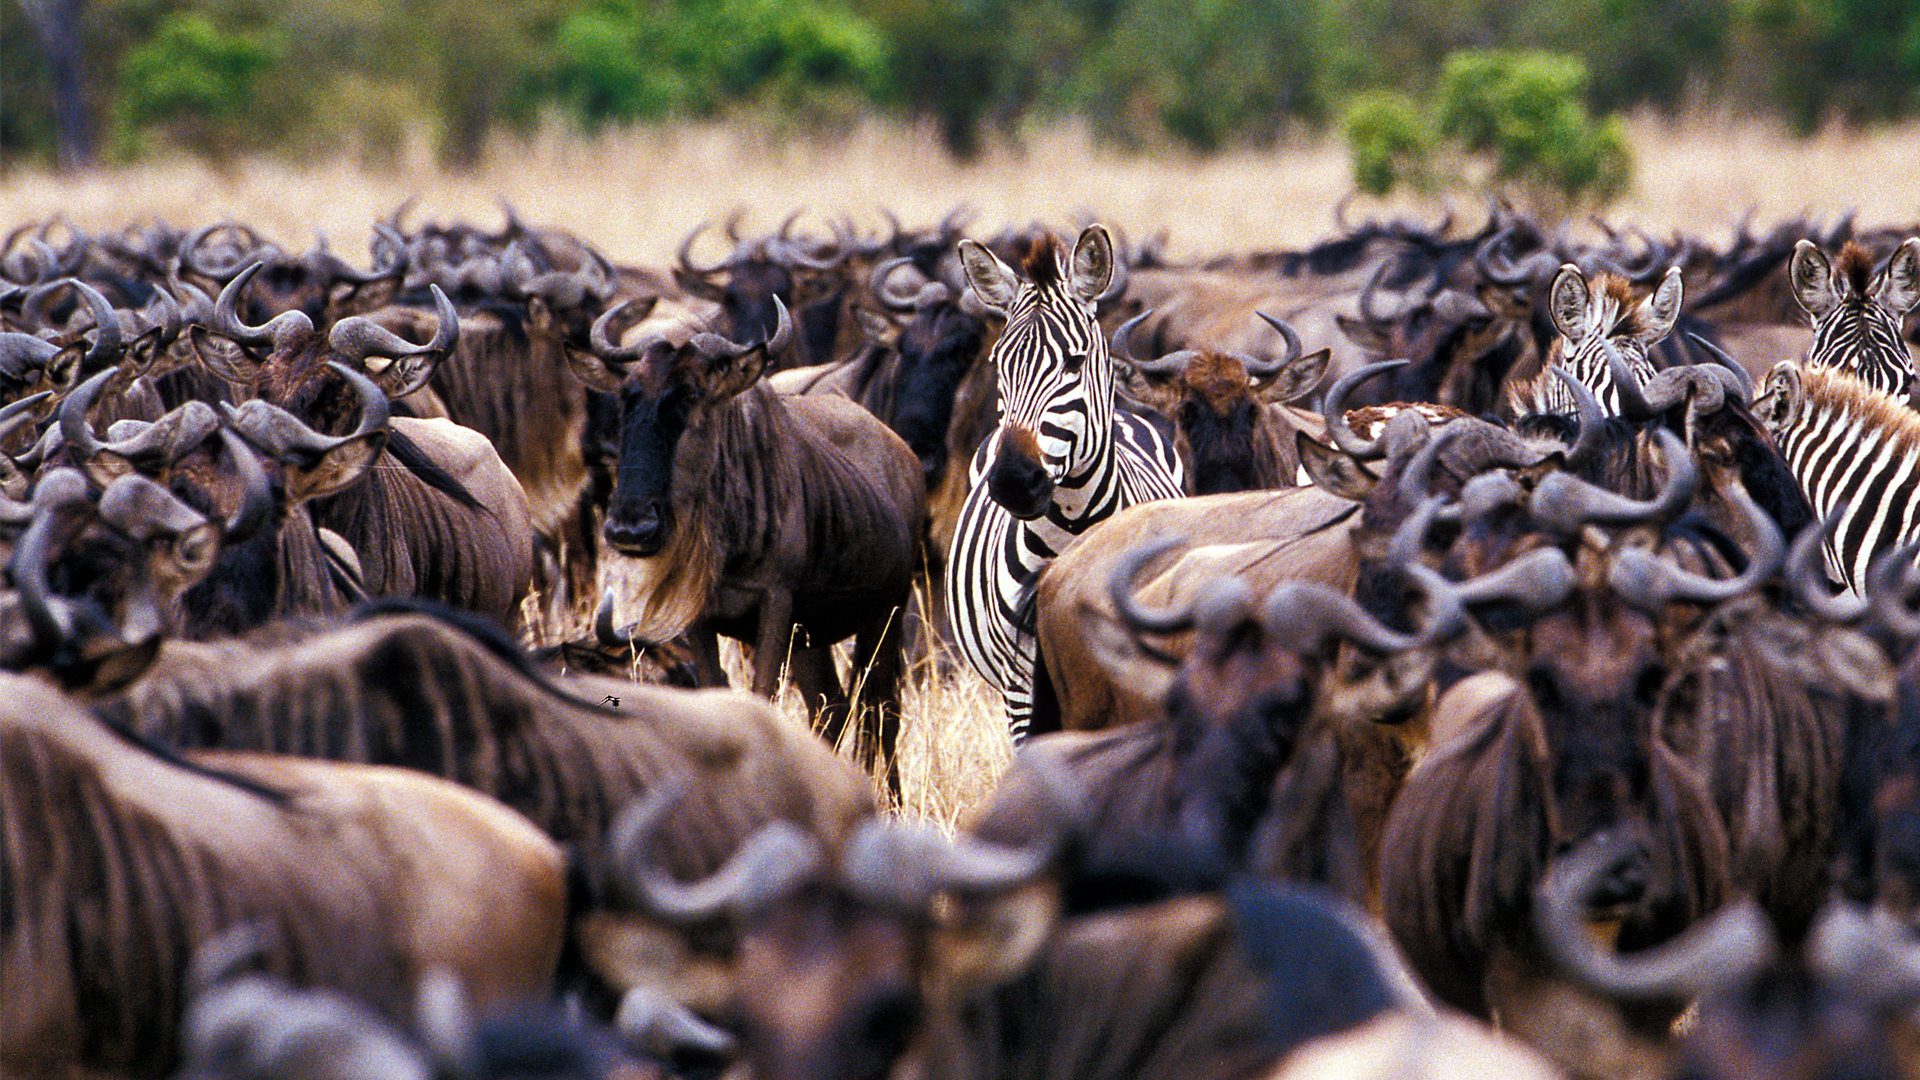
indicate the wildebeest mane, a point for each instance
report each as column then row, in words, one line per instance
column 408, row 453
column 483, row 631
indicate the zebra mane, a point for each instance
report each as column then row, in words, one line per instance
column 1855, row 267
column 1627, row 318
column 1041, row 261
column 1834, row 390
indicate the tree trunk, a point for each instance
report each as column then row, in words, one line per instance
column 57, row 24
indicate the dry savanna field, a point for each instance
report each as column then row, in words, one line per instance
column 636, row 194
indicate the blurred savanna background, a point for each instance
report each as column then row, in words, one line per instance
column 1227, row 125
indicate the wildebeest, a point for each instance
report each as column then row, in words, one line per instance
column 789, row 523
column 1228, row 408
column 119, row 861
column 426, row 505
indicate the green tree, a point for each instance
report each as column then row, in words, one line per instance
column 194, row 79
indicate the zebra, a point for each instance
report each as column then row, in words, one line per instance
column 1852, row 448
column 1593, row 320
column 1062, row 460
column 1856, row 316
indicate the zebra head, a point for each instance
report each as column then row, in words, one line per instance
column 1055, row 372
column 1598, row 318
column 1856, row 314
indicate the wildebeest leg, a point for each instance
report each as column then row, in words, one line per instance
column 878, row 659
column 819, row 685
column 770, row 645
column 706, row 656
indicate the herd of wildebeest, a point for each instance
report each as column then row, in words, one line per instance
column 1524, row 685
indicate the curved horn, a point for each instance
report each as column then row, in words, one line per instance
column 1508, row 274
column 1890, row 580
column 74, row 428
column 1807, row 576
column 58, row 490
column 1369, row 291
column 1334, row 410
column 767, row 866
column 1304, row 616
column 1270, row 368
column 878, row 285
column 905, row 864
column 374, row 408
column 1592, row 422
column 686, row 255
column 1727, row 948
column 1564, row 503
column 1649, row 582
column 107, row 338
column 1138, row 617
column 1720, row 356
column 256, row 502
column 604, row 347
column 227, row 322
column 359, row 337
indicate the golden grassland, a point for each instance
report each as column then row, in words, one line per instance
column 637, row 193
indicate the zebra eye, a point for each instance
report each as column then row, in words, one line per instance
column 1076, row 360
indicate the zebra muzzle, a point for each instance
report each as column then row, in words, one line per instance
column 1018, row 478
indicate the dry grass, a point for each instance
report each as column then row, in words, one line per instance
column 637, row 193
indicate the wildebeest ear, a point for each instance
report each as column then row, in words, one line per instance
column 1332, row 471
column 695, row 285
column 1092, row 267
column 1502, row 301
column 983, row 942
column 63, row 367
column 1898, row 289
column 1296, row 379
column 590, row 369
column 402, row 376
column 228, row 361
column 336, row 469
column 347, row 298
column 1362, row 333
column 1812, row 278
column 877, row 327
column 993, row 281
column 1567, row 302
column 1662, row 309
column 104, row 467
column 730, row 375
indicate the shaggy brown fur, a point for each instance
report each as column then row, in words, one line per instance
column 119, row 863
column 1854, row 267
column 1040, row 262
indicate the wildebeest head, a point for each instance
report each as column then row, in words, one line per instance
column 317, row 283
column 938, row 344
column 30, row 363
column 666, row 391
column 288, row 363
column 1220, row 404
column 1055, row 373
column 842, row 963
column 797, row 272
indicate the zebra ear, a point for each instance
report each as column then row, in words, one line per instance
column 1567, row 302
column 991, row 280
column 1780, row 398
column 1092, row 263
column 1812, row 278
column 1899, row 286
column 1662, row 309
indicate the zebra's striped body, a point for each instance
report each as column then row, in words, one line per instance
column 1850, row 447
column 1062, row 457
column 1594, row 322
column 1856, row 316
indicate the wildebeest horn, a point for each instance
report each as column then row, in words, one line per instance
column 107, row 339
column 256, row 501
column 278, row 431
column 19, row 413
column 904, row 863
column 192, row 257
column 1807, row 576
column 665, row 1029
column 1890, row 580
column 1592, row 422
column 1267, row 369
column 1537, row 582
column 771, row 862
column 686, row 255
column 1649, row 582
column 1369, row 291
column 1508, row 274
column 878, row 283
column 1564, row 503
column 1720, row 356
column 1305, row 615
column 227, row 323
column 1334, row 410
column 1726, row 948
column 74, row 428
column 717, row 345
column 359, row 337
column 56, row 491
column 603, row 345
column 21, row 354
column 1138, row 617
column 1165, row 366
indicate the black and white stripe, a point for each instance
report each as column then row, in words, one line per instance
column 1857, row 313
column 1596, row 322
column 1056, row 380
column 1853, row 449
column 1863, row 339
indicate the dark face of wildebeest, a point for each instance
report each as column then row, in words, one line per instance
column 935, row 348
column 665, row 392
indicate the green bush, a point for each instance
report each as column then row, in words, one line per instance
column 1391, row 140
column 193, row 78
column 1522, row 115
